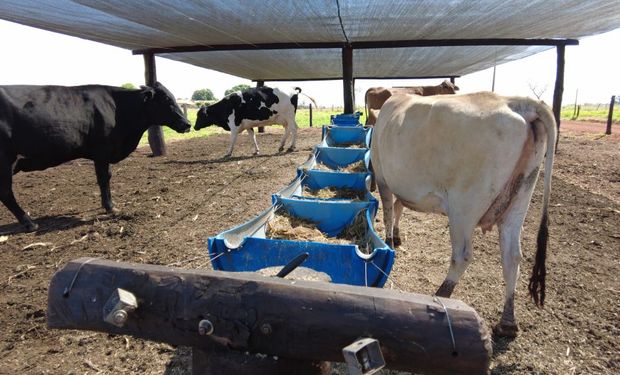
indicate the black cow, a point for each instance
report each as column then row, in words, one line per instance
column 252, row 108
column 44, row 126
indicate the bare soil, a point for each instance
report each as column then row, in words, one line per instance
column 170, row 205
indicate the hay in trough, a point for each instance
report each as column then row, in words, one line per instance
column 357, row 166
column 299, row 273
column 335, row 193
column 351, row 145
column 285, row 227
column 356, row 233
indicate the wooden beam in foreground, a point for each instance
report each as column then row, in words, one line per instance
column 289, row 319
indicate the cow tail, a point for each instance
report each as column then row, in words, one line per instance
column 539, row 272
column 306, row 95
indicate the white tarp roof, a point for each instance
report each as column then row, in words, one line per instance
column 142, row 24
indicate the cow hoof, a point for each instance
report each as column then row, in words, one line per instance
column 509, row 330
column 112, row 211
column 227, row 156
column 256, row 153
column 397, row 241
column 281, row 149
column 30, row 227
column 290, row 149
column 389, row 241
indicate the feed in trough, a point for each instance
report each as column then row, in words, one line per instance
column 335, row 193
column 299, row 273
column 357, row 166
column 285, row 227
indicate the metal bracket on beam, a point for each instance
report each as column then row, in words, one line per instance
column 119, row 306
column 364, row 357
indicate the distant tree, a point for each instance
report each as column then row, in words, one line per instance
column 537, row 90
column 203, row 94
column 128, row 86
column 241, row 87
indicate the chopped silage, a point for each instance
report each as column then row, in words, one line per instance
column 285, row 227
column 335, row 193
column 299, row 273
column 358, row 166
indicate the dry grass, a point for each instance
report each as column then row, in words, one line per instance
column 351, row 145
column 299, row 273
column 335, row 193
column 358, row 166
column 285, row 227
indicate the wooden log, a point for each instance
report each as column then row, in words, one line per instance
column 155, row 132
column 289, row 319
column 558, row 89
column 261, row 129
column 347, row 79
column 610, row 115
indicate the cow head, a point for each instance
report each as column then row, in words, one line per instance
column 162, row 108
column 449, row 87
column 211, row 115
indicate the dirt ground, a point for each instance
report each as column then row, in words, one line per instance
column 170, row 205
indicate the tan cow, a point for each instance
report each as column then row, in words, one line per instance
column 474, row 158
column 376, row 96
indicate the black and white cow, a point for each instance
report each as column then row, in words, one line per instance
column 252, row 108
column 44, row 126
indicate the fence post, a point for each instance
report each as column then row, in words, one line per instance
column 611, row 114
column 310, row 108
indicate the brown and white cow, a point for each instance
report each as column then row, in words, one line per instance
column 376, row 96
column 476, row 159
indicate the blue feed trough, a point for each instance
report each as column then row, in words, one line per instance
column 336, row 157
column 346, row 136
column 315, row 180
column 349, row 119
column 246, row 248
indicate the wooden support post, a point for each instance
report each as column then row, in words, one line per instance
column 558, row 90
column 300, row 320
column 310, row 113
column 155, row 133
column 610, row 116
column 261, row 129
column 347, row 79
column 452, row 80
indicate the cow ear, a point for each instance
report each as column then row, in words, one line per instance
column 148, row 93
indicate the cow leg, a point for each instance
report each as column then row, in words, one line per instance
column 7, row 197
column 387, row 202
column 102, row 169
column 233, row 139
column 510, row 247
column 509, row 243
column 253, row 139
column 462, row 252
column 293, row 127
column 398, row 211
column 283, row 140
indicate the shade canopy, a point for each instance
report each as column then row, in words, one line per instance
column 294, row 40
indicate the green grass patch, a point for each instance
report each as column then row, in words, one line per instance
column 320, row 117
column 590, row 112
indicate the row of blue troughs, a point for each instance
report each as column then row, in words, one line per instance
column 367, row 262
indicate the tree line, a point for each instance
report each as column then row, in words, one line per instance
column 207, row 94
column 203, row 94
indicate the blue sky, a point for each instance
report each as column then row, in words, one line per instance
column 33, row 56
